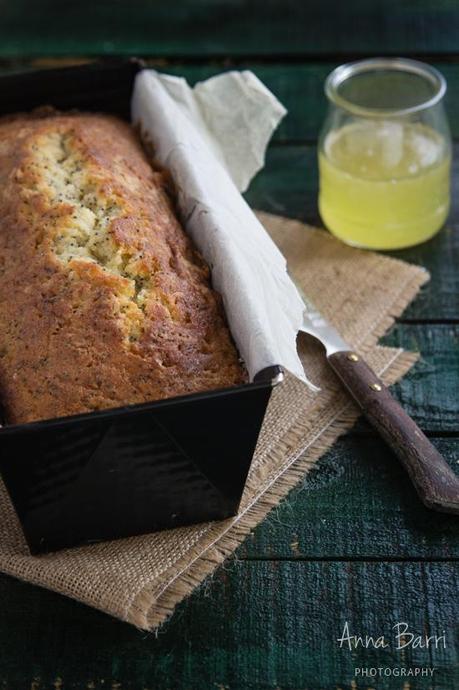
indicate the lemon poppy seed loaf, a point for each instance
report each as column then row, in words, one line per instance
column 103, row 299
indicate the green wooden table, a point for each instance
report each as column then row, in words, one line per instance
column 352, row 542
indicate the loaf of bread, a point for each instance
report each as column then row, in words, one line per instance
column 103, row 299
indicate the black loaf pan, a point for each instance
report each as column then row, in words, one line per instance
column 131, row 470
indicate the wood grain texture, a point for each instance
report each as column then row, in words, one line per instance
column 271, row 619
column 260, row 626
column 435, row 482
column 202, row 28
column 429, row 392
column 357, row 503
column 299, row 86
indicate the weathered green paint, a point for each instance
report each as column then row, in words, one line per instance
column 300, row 87
column 430, row 391
column 199, row 28
column 259, row 625
column 352, row 542
column 357, row 502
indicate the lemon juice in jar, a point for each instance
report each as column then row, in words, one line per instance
column 384, row 171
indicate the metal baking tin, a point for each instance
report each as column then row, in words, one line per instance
column 140, row 468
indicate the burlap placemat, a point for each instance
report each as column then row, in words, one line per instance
column 141, row 580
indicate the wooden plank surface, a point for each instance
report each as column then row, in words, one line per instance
column 357, row 503
column 300, row 87
column 258, row 625
column 198, row 28
column 430, row 391
column 352, row 542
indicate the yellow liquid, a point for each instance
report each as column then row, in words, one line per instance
column 384, row 184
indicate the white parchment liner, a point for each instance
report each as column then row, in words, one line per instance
column 212, row 139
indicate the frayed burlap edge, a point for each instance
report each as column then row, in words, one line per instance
column 150, row 609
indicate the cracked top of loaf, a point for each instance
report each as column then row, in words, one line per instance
column 103, row 299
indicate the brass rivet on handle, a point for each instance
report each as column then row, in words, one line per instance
column 353, row 357
column 375, row 387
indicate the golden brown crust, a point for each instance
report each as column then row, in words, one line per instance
column 103, row 300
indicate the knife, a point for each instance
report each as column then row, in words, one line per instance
column 433, row 479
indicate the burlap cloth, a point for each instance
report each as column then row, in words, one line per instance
column 141, row 579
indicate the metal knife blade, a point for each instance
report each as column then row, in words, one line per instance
column 314, row 324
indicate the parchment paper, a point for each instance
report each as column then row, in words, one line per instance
column 212, row 139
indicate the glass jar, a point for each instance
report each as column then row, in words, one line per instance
column 385, row 153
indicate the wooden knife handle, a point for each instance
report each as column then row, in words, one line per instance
column 435, row 482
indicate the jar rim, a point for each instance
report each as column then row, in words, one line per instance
column 350, row 69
